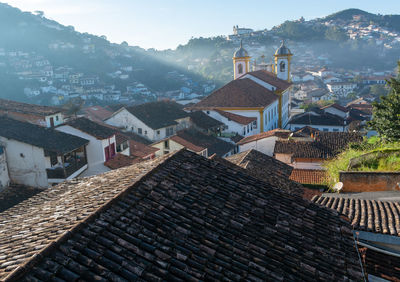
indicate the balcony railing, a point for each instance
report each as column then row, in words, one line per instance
column 67, row 170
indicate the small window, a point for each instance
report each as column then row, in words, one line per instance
column 53, row 159
column 158, row 132
column 166, row 152
column 282, row 66
column 139, row 130
column 208, row 112
column 240, row 68
column 166, row 144
column 56, row 118
column 145, row 132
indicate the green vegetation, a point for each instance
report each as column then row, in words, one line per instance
column 374, row 154
column 386, row 113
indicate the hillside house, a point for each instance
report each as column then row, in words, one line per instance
column 102, row 144
column 40, row 115
column 154, row 121
column 38, row 156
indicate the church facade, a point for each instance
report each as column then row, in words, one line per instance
column 261, row 94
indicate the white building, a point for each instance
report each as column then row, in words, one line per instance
column 39, row 157
column 154, row 121
column 102, row 142
column 341, row 89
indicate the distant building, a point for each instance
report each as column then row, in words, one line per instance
column 341, row 89
column 241, row 30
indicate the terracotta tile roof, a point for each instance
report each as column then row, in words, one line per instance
column 92, row 128
column 281, row 133
column 13, row 106
column 189, row 219
column 267, row 169
column 366, row 215
column 336, row 106
column 138, row 149
column 158, row 114
column 308, row 176
column 236, row 138
column 306, row 131
column 213, row 144
column 13, row 195
column 381, row 265
column 190, row 146
column 120, row 160
column 204, row 121
column 97, row 113
column 239, row 93
column 324, row 146
column 271, row 79
column 237, row 118
column 46, row 138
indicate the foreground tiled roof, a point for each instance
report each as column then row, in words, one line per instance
column 267, row 169
column 158, row 114
column 366, row 215
column 204, row 121
column 308, row 176
column 188, row 219
column 13, row 106
column 281, row 133
column 11, row 196
column 46, row 138
column 240, row 93
column 92, row 128
column 324, row 146
column 237, row 118
column 271, row 79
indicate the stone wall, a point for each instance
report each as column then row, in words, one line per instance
column 359, row 181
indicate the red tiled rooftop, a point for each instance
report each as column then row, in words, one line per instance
column 237, row 118
column 308, row 176
column 281, row 133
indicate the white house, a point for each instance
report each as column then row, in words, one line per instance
column 38, row 157
column 336, row 109
column 102, row 142
column 341, row 88
column 154, row 121
column 321, row 121
column 263, row 142
column 4, row 177
column 40, row 115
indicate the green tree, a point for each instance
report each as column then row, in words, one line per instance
column 386, row 114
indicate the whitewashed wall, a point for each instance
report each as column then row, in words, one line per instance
column 4, row 178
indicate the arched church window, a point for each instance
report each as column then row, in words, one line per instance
column 240, row 68
column 282, row 66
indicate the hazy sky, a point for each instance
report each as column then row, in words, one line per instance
column 165, row 24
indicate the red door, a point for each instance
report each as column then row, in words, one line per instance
column 112, row 150
column 107, row 152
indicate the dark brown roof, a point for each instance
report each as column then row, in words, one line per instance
column 317, row 119
column 237, row 118
column 271, row 79
column 281, row 133
column 188, row 145
column 120, row 160
column 97, row 113
column 381, row 265
column 267, row 169
column 13, row 106
column 204, row 121
column 46, row 138
column 92, row 128
column 306, row 131
column 158, row 114
column 213, row 144
column 308, row 176
column 366, row 215
column 239, row 93
column 189, row 218
column 324, row 146
column 138, row 149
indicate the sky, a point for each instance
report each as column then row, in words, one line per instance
column 164, row 24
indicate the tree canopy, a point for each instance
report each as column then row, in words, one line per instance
column 386, row 113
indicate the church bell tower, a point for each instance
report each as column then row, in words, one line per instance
column 283, row 57
column 241, row 62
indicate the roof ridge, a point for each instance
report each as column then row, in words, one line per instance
column 30, row 262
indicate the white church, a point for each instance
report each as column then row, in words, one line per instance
column 262, row 94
